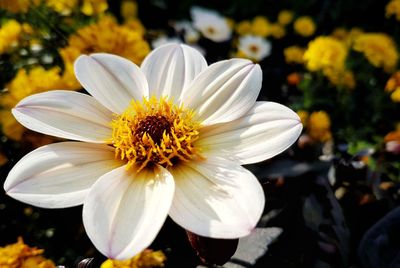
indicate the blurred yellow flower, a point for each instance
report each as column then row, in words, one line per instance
column 346, row 36
column 379, row 49
column 243, row 27
column 129, row 9
column 294, row 54
column 27, row 83
column 318, row 126
column 304, row 26
column 395, row 96
column 260, row 26
column 303, row 117
column 147, row 259
column 285, row 17
column 94, row 7
column 68, row 78
column 63, row 7
column 393, row 83
column 393, row 8
column 9, row 35
column 24, row 84
column 277, row 30
column 344, row 78
column 325, row 54
column 10, row 126
column 108, row 36
column 18, row 5
column 20, row 255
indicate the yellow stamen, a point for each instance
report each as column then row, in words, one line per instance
column 155, row 132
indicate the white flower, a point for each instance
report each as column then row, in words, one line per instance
column 211, row 24
column 167, row 138
column 254, row 47
column 190, row 35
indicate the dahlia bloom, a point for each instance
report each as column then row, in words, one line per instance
column 211, row 24
column 168, row 138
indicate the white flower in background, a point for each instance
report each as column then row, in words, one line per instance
column 190, row 35
column 211, row 24
column 254, row 47
column 168, row 138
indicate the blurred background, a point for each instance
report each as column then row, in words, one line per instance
column 333, row 196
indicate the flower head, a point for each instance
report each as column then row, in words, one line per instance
column 285, row 17
column 393, row 8
column 325, row 53
column 211, row 24
column 319, row 126
column 9, row 35
column 379, row 49
column 20, row 255
column 304, row 26
column 254, row 47
column 167, row 138
column 294, row 54
column 146, row 259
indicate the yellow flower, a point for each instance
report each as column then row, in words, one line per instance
column 9, row 35
column 325, row 54
column 104, row 36
column 318, row 126
column 18, row 5
column 304, row 26
column 379, row 49
column 10, row 127
column 68, row 79
column 393, row 8
column 108, row 36
column 260, row 26
column 147, row 259
column 393, row 83
column 395, row 96
column 285, row 17
column 129, row 9
column 20, row 255
column 24, row 84
column 63, row 7
column 294, row 54
column 243, row 27
column 277, row 30
column 344, row 78
column 303, row 117
column 94, row 7
column 134, row 24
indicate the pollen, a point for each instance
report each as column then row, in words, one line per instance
column 155, row 131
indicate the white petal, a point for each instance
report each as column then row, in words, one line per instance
column 124, row 210
column 112, row 80
column 59, row 175
column 216, row 198
column 65, row 114
column 225, row 91
column 171, row 68
column 266, row 130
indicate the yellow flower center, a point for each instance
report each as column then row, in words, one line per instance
column 155, row 132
